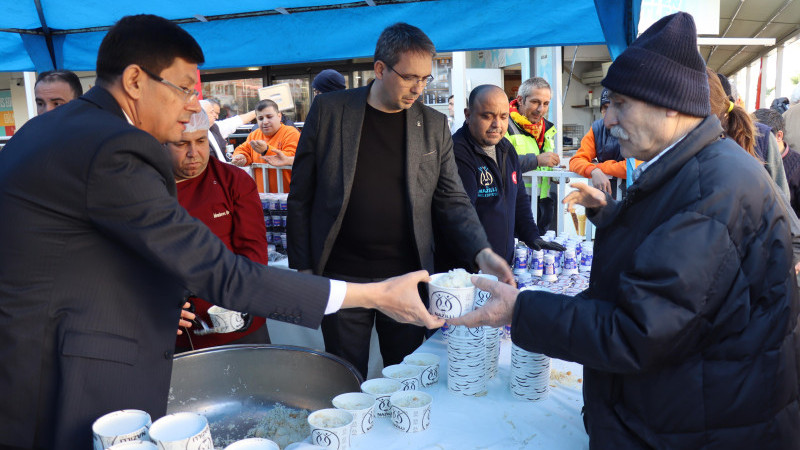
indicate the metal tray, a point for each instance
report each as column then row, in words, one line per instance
column 234, row 385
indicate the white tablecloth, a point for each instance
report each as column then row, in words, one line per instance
column 495, row 421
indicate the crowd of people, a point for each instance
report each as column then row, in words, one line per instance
column 132, row 225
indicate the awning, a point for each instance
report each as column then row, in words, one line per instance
column 38, row 35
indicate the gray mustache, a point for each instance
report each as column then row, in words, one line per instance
column 619, row 133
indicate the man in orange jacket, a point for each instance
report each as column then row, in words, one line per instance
column 270, row 139
column 599, row 145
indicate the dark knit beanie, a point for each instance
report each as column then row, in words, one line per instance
column 604, row 97
column 663, row 67
column 726, row 86
column 328, row 80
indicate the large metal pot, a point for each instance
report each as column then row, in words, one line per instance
column 234, row 385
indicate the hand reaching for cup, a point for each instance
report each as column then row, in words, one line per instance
column 498, row 311
column 585, row 196
column 259, row 145
column 279, row 159
column 396, row 297
column 239, row 160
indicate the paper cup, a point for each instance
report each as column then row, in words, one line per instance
column 411, row 411
column 127, row 425
column 382, row 389
column 135, row 445
column 253, row 444
column 361, row 406
column 449, row 302
column 430, row 367
column 408, row 376
column 225, row 320
column 182, row 431
column 481, row 297
column 331, row 428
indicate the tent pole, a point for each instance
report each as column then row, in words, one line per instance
column 48, row 35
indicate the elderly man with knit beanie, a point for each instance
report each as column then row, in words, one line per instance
column 688, row 331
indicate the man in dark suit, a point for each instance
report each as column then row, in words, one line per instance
column 98, row 256
column 373, row 169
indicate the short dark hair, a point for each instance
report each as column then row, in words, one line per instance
column 770, row 118
column 152, row 42
column 267, row 103
column 401, row 38
column 214, row 101
column 62, row 75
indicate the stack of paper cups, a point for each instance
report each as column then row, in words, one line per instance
column 492, row 335
column 466, row 361
column 530, row 374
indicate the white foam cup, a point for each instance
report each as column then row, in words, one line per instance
column 382, row 389
column 361, row 406
column 331, row 428
column 449, row 302
column 430, row 367
column 184, row 431
column 253, row 444
column 411, row 411
column 225, row 320
column 408, row 376
column 127, row 425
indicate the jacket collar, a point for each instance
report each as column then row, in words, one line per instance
column 665, row 168
column 104, row 100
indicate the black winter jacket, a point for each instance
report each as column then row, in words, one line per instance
column 497, row 192
column 688, row 331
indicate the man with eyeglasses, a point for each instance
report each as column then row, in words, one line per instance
column 98, row 256
column 373, row 171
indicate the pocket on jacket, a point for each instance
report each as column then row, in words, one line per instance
column 103, row 346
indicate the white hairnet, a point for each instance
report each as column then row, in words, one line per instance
column 795, row 95
column 205, row 103
column 198, row 121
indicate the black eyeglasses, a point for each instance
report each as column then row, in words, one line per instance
column 188, row 94
column 412, row 78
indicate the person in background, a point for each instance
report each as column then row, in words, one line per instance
column 98, row 255
column 533, row 137
column 792, row 119
column 599, row 145
column 688, row 333
column 373, row 170
column 225, row 199
column 328, row 80
column 270, row 139
column 451, row 114
column 55, row 88
column 791, row 159
column 221, row 129
column 489, row 169
column 755, row 138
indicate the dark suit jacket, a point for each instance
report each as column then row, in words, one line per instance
column 96, row 258
column 322, row 179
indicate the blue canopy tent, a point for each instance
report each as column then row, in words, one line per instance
column 39, row 35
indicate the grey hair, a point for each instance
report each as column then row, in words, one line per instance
column 527, row 87
column 198, row 122
column 401, row 38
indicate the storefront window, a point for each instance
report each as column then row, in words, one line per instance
column 362, row 77
column 300, row 87
column 236, row 96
